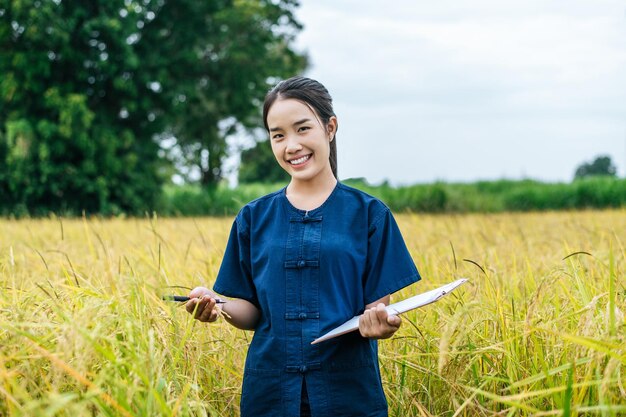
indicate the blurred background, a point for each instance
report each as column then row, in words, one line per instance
column 133, row 107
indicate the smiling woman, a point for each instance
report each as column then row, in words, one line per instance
column 303, row 260
column 299, row 116
column 315, row 97
column 301, row 145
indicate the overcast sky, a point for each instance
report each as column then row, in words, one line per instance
column 460, row 91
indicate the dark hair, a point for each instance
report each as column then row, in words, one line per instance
column 314, row 95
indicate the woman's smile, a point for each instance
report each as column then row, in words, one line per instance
column 300, row 160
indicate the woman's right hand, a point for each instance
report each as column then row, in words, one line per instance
column 202, row 305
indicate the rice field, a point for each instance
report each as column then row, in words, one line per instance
column 539, row 330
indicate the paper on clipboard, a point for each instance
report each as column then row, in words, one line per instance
column 396, row 308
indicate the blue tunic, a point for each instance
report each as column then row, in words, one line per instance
column 308, row 272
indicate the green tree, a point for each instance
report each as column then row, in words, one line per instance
column 76, row 133
column 88, row 90
column 219, row 69
column 258, row 164
column 601, row 166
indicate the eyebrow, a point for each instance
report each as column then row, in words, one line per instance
column 299, row 122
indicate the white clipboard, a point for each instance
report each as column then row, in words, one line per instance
column 396, row 308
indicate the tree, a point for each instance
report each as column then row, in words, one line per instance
column 89, row 89
column 233, row 51
column 258, row 164
column 75, row 110
column 602, row 165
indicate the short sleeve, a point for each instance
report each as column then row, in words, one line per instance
column 234, row 278
column 389, row 265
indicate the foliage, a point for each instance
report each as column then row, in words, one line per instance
column 191, row 200
column 219, row 69
column 258, row 164
column 88, row 89
column 504, row 195
column 74, row 110
column 483, row 196
column 601, row 166
column 83, row 331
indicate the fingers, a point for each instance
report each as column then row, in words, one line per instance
column 202, row 308
column 202, row 304
column 365, row 323
column 394, row 321
column 190, row 306
column 381, row 314
column 209, row 313
column 376, row 323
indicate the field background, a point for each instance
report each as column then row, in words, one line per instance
column 535, row 332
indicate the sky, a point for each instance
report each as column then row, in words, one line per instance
column 477, row 90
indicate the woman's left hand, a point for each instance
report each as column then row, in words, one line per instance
column 376, row 323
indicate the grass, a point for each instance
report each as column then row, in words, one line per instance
column 538, row 331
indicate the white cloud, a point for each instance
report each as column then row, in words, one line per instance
column 417, row 80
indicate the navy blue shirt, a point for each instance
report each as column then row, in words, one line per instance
column 308, row 272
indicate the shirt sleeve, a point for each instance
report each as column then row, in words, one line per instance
column 389, row 265
column 234, row 278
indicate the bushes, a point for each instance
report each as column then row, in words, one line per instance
column 493, row 196
column 484, row 196
column 221, row 201
column 598, row 192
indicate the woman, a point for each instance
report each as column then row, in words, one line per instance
column 303, row 260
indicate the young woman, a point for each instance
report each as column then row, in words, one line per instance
column 303, row 260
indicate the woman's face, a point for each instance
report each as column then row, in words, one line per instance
column 301, row 144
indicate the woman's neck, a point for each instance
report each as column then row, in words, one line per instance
column 309, row 195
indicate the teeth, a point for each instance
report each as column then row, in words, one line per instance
column 299, row 160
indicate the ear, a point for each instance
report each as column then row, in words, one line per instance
column 332, row 128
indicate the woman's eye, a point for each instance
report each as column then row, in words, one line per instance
column 277, row 136
column 303, row 128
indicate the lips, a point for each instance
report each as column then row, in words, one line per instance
column 301, row 160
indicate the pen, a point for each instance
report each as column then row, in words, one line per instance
column 183, row 299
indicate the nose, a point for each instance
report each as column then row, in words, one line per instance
column 293, row 144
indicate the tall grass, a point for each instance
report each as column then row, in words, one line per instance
column 539, row 329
